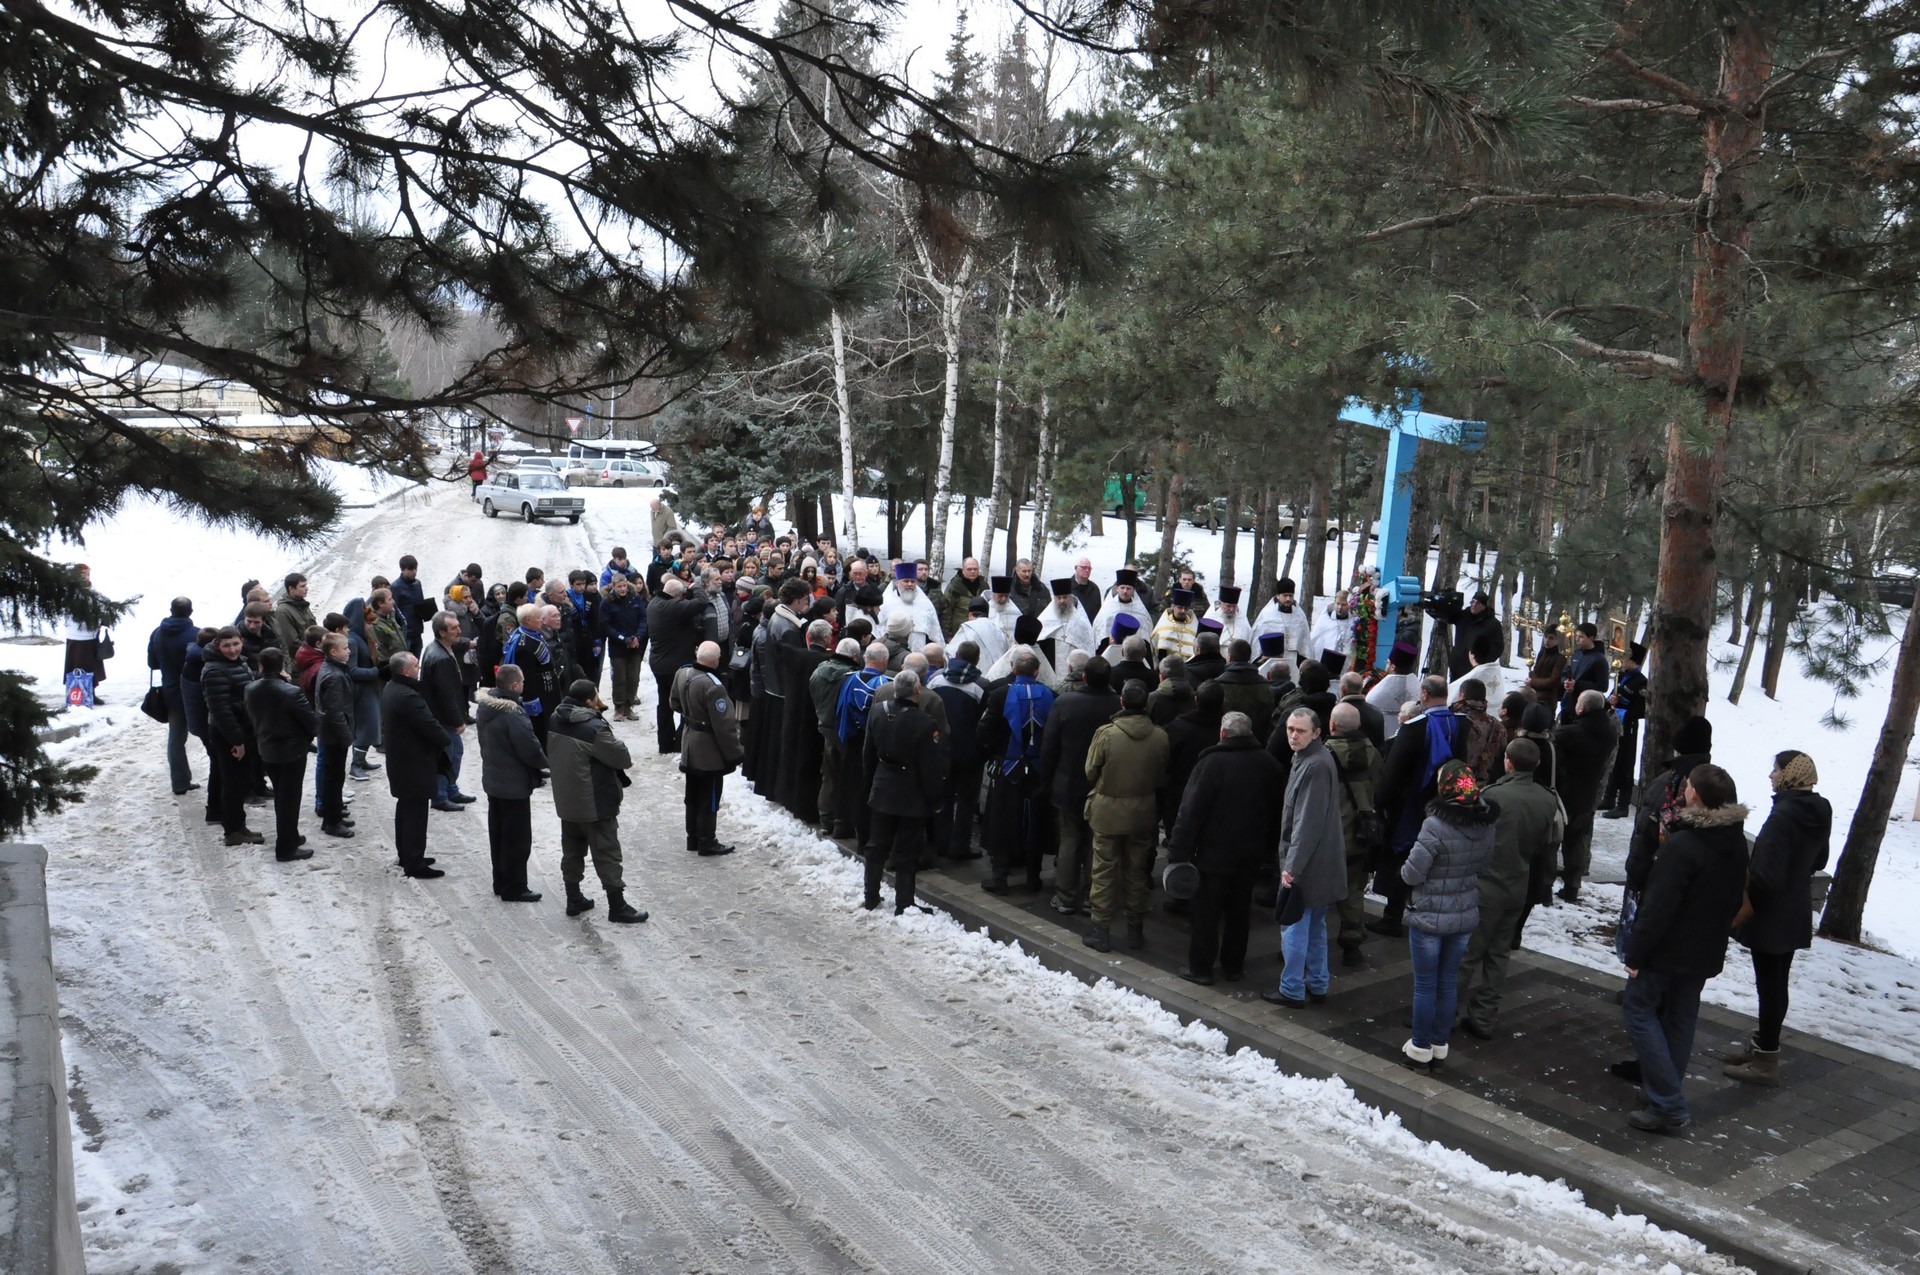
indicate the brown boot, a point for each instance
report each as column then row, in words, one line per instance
column 1763, row 1069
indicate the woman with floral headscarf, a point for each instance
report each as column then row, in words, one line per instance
column 1455, row 842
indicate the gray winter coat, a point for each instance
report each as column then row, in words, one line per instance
column 1454, row 847
column 1311, row 834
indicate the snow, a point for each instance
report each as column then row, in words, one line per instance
column 153, row 554
column 324, row 1066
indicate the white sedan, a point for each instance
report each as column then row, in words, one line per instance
column 533, row 494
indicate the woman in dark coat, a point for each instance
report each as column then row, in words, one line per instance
column 1537, row 725
column 1777, row 920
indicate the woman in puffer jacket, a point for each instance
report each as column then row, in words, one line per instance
column 1455, row 842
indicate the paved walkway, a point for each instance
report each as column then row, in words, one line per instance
column 1822, row 1174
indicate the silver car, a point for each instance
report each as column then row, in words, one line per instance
column 532, row 493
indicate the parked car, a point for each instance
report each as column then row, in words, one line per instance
column 534, row 493
column 1212, row 514
column 617, row 473
column 556, row 465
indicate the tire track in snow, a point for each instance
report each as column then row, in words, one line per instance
column 394, row 1216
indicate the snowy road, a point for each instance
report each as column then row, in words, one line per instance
column 327, row 1067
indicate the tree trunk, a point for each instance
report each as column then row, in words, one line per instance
column 802, row 510
column 825, row 515
column 928, row 519
column 1446, row 569
column 1853, row 874
column 1128, row 488
column 1734, row 611
column 966, row 529
column 953, row 298
column 1716, row 339
column 1260, row 575
column 1756, row 600
column 1014, row 488
column 1779, row 628
column 893, row 521
column 1313, row 554
column 996, row 492
column 1340, row 579
column 843, row 408
column 1046, row 459
column 1170, row 531
column 1230, row 542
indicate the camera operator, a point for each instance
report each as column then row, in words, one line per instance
column 1476, row 630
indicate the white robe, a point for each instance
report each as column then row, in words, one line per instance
column 1005, row 614
column 1111, row 606
column 1389, row 693
column 1003, row 668
column 1295, row 624
column 987, row 635
column 1233, row 626
column 919, row 608
column 1331, row 633
column 1071, row 632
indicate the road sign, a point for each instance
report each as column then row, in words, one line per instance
column 574, row 423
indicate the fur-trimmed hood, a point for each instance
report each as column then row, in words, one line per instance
column 488, row 697
column 1729, row 816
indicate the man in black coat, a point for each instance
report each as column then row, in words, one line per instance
column 1206, row 662
column 283, row 726
column 909, row 770
column 1229, row 823
column 1434, row 737
column 167, row 655
column 446, row 695
column 1063, row 776
column 1586, row 671
column 333, row 695
column 512, row 765
column 409, row 601
column 416, row 756
column 1132, row 665
column 223, row 682
column 675, row 619
column 1584, row 747
column 1476, row 634
column 1678, row 940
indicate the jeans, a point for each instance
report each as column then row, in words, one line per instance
column 1436, row 984
column 177, row 769
column 448, row 785
column 1660, row 1011
column 1770, row 973
column 1303, row 946
column 319, row 775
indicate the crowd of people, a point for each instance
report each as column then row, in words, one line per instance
column 1025, row 720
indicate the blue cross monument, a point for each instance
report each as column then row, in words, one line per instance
column 1406, row 426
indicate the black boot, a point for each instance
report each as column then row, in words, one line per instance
column 1097, row 939
column 576, row 901
column 713, row 850
column 1136, row 934
column 996, row 884
column 618, row 909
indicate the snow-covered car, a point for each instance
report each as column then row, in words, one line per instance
column 533, row 493
column 541, row 464
column 620, row 472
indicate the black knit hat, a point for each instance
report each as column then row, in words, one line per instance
column 1694, row 737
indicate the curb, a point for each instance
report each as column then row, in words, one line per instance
column 36, row 1153
column 1431, row 1109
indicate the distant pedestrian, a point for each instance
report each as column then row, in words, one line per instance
column 87, row 641
column 416, row 757
column 1454, row 845
column 590, row 767
column 908, row 766
column 1777, row 920
column 1677, row 940
column 710, row 745
column 1313, row 857
column 512, row 765
column 284, row 725
column 166, row 655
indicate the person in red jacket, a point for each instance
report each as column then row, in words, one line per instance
column 477, row 469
